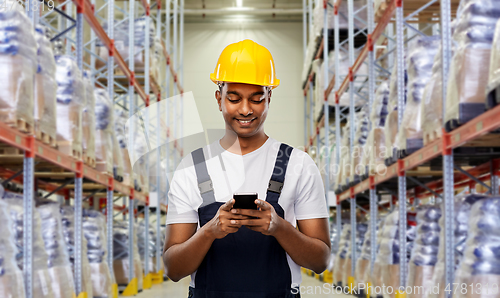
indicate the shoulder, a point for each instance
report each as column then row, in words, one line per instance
column 299, row 161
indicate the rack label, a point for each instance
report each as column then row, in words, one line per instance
column 479, row 126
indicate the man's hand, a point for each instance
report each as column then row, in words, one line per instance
column 225, row 222
column 265, row 220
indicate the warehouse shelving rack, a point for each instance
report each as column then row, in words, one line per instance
column 407, row 178
column 55, row 170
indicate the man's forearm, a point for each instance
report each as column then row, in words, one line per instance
column 183, row 259
column 306, row 251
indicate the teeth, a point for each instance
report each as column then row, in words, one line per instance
column 242, row 121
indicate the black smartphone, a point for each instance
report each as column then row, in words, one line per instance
column 245, row 200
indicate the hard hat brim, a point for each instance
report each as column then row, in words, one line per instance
column 213, row 79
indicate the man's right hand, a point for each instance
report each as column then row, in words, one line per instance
column 223, row 222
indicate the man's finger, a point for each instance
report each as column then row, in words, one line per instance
column 228, row 205
column 263, row 205
column 250, row 222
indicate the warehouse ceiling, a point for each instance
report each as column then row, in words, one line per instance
column 241, row 11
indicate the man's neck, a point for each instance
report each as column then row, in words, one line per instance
column 238, row 145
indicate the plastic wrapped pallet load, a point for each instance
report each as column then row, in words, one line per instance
column 104, row 131
column 41, row 277
column 480, row 263
column 360, row 138
column 94, row 230
column 318, row 16
column 121, row 138
column 45, row 90
column 340, row 258
column 469, row 69
column 362, row 270
column 121, row 263
column 425, row 252
column 58, row 260
column 151, row 247
column 88, row 122
column 18, row 64
column 375, row 277
column 348, row 270
column 11, row 277
column 345, row 158
column 492, row 91
column 68, row 229
column 71, row 99
column 420, row 58
column 462, row 206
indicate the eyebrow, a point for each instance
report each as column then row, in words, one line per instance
column 251, row 95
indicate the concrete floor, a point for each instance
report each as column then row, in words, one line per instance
column 311, row 288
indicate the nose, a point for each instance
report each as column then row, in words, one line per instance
column 245, row 109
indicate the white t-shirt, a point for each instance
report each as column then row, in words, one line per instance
column 302, row 196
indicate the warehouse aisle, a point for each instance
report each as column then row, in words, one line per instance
column 179, row 290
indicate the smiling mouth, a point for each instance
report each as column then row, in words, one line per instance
column 245, row 122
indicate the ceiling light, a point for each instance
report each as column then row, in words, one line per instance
column 239, row 3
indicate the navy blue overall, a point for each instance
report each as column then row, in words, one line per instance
column 246, row 263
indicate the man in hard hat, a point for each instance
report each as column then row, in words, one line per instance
column 232, row 252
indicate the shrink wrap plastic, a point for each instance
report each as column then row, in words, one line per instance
column 151, row 247
column 158, row 70
column 420, row 58
column 41, row 277
column 88, row 118
column 481, row 261
column 318, row 17
column 425, row 251
column 362, row 271
column 94, row 230
column 494, row 75
column 60, row 272
column 45, row 86
column 470, row 64
column 462, row 207
column 391, row 121
column 68, row 226
column 104, row 131
column 120, row 254
column 375, row 277
column 375, row 151
column 388, row 256
column 11, row 277
column 121, row 138
column 360, row 238
column 358, row 167
column 18, row 62
column 121, row 38
column 345, row 157
column 341, row 257
column 71, row 99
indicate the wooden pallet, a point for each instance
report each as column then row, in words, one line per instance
column 430, row 14
column 102, row 167
column 7, row 150
column 45, row 138
column 430, row 136
column 70, row 148
column 89, row 160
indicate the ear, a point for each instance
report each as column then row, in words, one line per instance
column 218, row 97
column 270, row 93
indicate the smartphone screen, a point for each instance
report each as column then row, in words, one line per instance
column 245, row 200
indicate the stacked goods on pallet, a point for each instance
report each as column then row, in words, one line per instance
column 462, row 207
column 425, row 251
column 319, row 19
column 151, row 246
column 45, row 90
column 388, row 256
column 362, row 270
column 60, row 270
column 345, row 155
column 68, row 226
column 420, row 58
column 391, row 121
column 88, row 122
column 121, row 38
column 71, row 99
column 360, row 238
column 492, row 92
column 18, row 62
column 41, row 276
column 322, row 160
column 121, row 263
column 118, row 162
column 480, row 263
column 159, row 62
column 121, row 137
column 360, row 138
column 374, row 156
column 140, row 159
column 470, row 64
column 11, row 278
column 375, row 277
column 104, row 131
column 340, row 258
column 94, row 230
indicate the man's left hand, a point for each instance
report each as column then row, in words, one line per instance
column 265, row 221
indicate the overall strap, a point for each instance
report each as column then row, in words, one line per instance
column 278, row 177
column 204, row 182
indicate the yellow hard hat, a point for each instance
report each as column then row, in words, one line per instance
column 246, row 62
